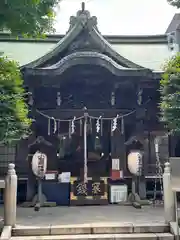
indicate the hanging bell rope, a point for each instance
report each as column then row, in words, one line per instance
column 85, row 149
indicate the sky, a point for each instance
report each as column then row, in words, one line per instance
column 120, row 17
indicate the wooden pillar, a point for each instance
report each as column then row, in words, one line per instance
column 85, row 149
column 141, row 183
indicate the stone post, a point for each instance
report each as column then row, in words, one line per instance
column 169, row 201
column 10, row 196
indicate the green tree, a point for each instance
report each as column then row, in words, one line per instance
column 14, row 121
column 27, row 17
column 170, row 94
column 175, row 3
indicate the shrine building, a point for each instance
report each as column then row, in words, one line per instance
column 93, row 99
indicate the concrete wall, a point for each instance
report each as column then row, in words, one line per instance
column 150, row 55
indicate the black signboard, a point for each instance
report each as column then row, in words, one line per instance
column 92, row 192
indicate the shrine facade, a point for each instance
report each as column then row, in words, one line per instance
column 84, row 72
column 91, row 107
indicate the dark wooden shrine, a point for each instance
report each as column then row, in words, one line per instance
column 84, row 71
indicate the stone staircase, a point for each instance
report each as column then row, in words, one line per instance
column 105, row 231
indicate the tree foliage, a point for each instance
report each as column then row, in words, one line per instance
column 170, row 94
column 14, row 121
column 27, row 17
column 21, row 17
column 175, row 3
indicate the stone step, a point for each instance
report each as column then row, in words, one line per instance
column 132, row 236
column 98, row 228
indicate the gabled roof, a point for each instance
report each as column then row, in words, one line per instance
column 174, row 24
column 82, row 23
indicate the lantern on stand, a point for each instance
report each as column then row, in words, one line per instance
column 39, row 167
column 134, row 161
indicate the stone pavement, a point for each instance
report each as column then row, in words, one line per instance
column 88, row 214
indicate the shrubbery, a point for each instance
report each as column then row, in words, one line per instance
column 14, row 121
column 170, row 94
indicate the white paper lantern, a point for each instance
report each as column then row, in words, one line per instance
column 134, row 160
column 39, row 164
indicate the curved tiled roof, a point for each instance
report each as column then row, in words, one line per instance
column 83, row 21
column 85, row 58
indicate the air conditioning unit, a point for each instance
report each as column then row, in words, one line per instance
column 118, row 193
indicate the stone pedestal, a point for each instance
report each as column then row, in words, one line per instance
column 10, row 197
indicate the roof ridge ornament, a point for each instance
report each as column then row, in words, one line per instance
column 83, row 6
column 83, row 17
